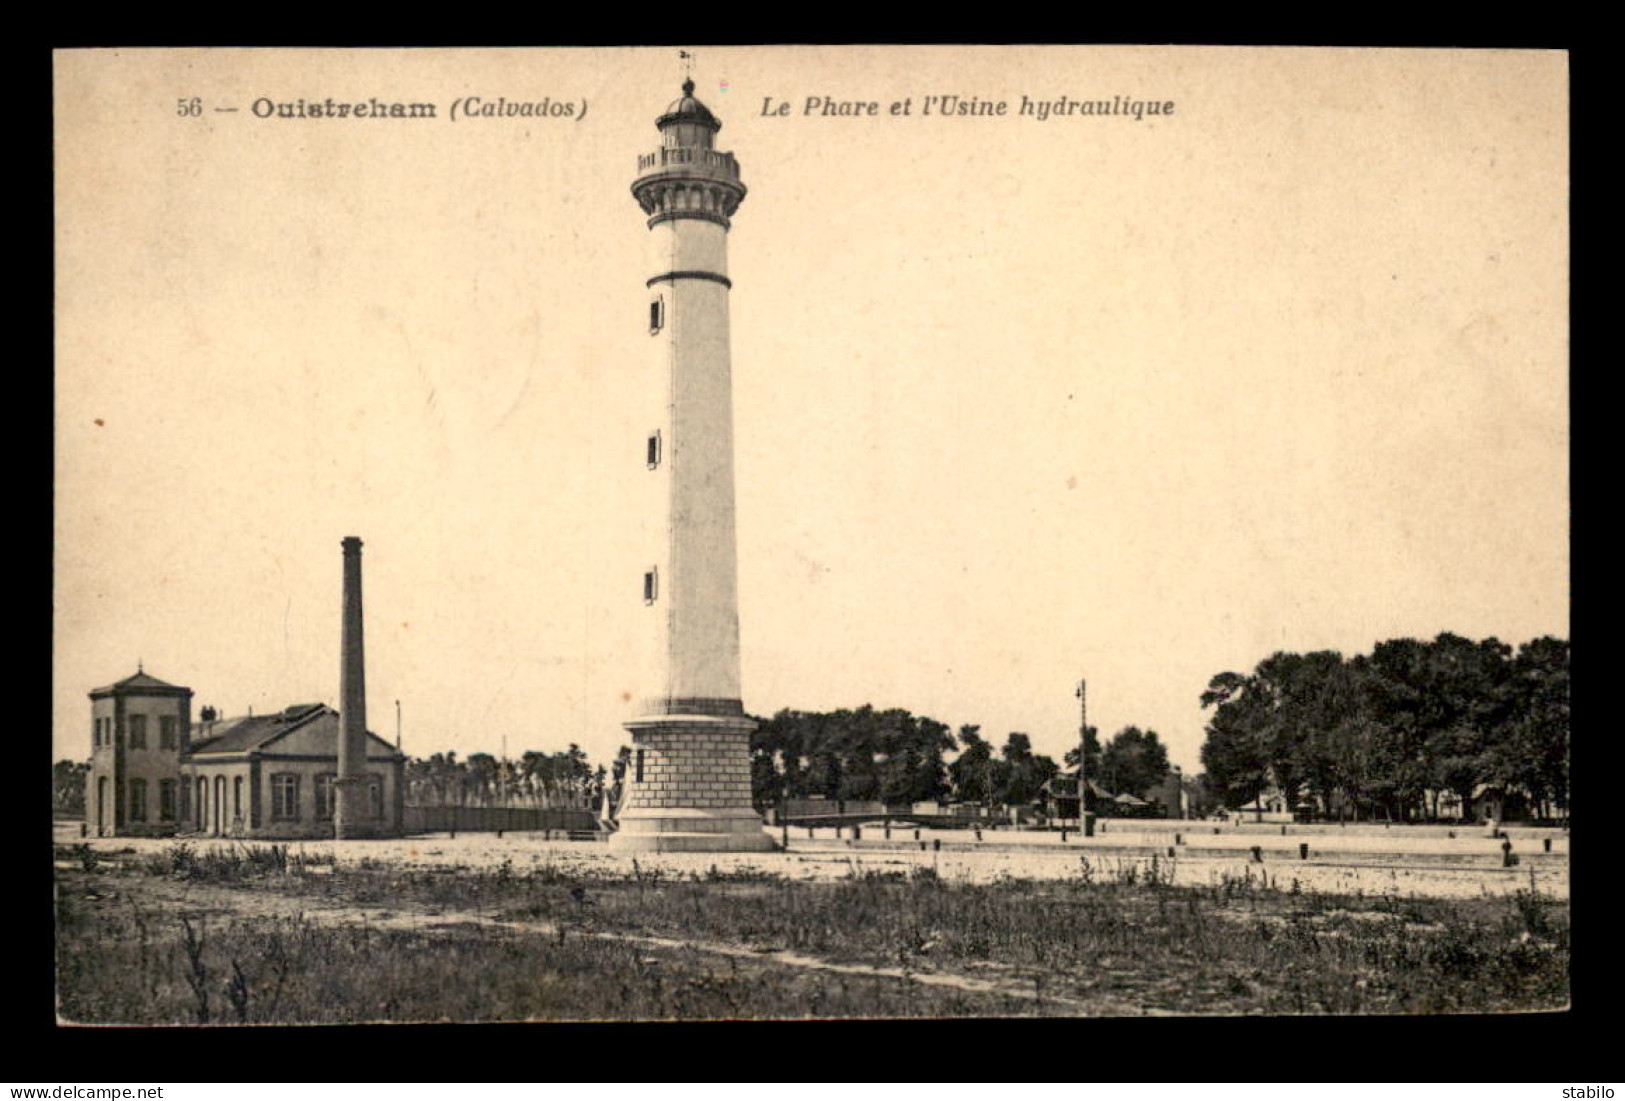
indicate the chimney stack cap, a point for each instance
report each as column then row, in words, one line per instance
column 352, row 542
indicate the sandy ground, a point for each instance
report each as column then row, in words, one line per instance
column 1347, row 866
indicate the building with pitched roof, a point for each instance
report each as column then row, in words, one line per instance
column 155, row 773
column 272, row 775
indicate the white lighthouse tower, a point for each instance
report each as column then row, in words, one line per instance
column 688, row 786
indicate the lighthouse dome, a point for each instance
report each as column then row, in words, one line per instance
column 686, row 110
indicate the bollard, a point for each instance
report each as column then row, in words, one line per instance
column 837, row 833
column 1170, row 850
column 936, row 844
column 888, row 831
column 1179, row 839
column 1258, row 854
column 922, row 846
column 1283, row 831
column 809, row 833
column 1303, row 850
column 857, row 833
column 916, row 835
column 1215, row 831
column 84, row 829
column 499, row 835
column 1547, row 841
column 1506, row 854
column 1063, row 837
column 978, row 833
column 1452, row 835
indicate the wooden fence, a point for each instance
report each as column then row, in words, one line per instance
column 492, row 819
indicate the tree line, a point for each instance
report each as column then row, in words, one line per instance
column 896, row 757
column 1393, row 731
column 548, row 780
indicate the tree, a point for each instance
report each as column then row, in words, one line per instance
column 447, row 779
column 1272, row 726
column 864, row 754
column 1444, row 704
column 481, row 772
column 68, row 787
column 1091, row 741
column 972, row 770
column 1025, row 772
column 910, row 753
column 1233, row 753
column 1533, row 751
column 1135, row 761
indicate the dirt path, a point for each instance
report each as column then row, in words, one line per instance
column 213, row 899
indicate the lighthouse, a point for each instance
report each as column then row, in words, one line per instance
column 687, row 788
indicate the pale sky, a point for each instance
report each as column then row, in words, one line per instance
column 1015, row 401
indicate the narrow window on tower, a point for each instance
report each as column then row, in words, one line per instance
column 637, row 767
column 651, row 585
column 657, row 313
column 654, row 449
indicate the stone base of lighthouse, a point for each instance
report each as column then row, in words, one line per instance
column 693, row 794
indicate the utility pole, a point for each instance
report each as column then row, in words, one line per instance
column 1083, row 757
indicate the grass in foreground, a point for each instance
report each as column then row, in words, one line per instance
column 1117, row 941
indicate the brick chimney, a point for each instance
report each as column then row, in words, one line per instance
column 352, row 809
